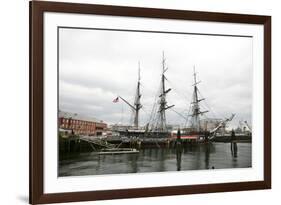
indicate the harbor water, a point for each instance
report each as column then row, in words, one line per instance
column 191, row 157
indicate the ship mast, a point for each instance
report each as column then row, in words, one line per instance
column 137, row 101
column 163, row 103
column 195, row 105
column 137, row 105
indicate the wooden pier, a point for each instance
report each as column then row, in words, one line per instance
column 118, row 151
column 127, row 145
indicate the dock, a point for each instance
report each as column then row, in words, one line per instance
column 115, row 151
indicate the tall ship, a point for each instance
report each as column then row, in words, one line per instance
column 157, row 127
column 198, row 129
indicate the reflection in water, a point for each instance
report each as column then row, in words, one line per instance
column 234, row 149
column 179, row 157
column 179, row 153
column 178, row 150
column 207, row 155
column 233, row 145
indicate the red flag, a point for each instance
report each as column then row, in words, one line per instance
column 116, row 100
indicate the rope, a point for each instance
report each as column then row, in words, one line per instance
column 179, row 114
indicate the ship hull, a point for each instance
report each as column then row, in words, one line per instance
column 144, row 134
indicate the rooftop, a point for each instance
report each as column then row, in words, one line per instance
column 77, row 116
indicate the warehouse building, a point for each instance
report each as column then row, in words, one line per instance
column 81, row 125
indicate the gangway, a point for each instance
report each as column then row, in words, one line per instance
column 97, row 141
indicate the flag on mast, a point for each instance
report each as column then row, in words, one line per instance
column 116, row 100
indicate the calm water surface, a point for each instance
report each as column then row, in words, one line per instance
column 196, row 157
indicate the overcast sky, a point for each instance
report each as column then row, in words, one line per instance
column 95, row 66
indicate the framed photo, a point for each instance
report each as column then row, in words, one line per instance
column 139, row 102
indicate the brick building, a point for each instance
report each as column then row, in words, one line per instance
column 81, row 125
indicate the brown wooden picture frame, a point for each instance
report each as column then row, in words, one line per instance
column 37, row 8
